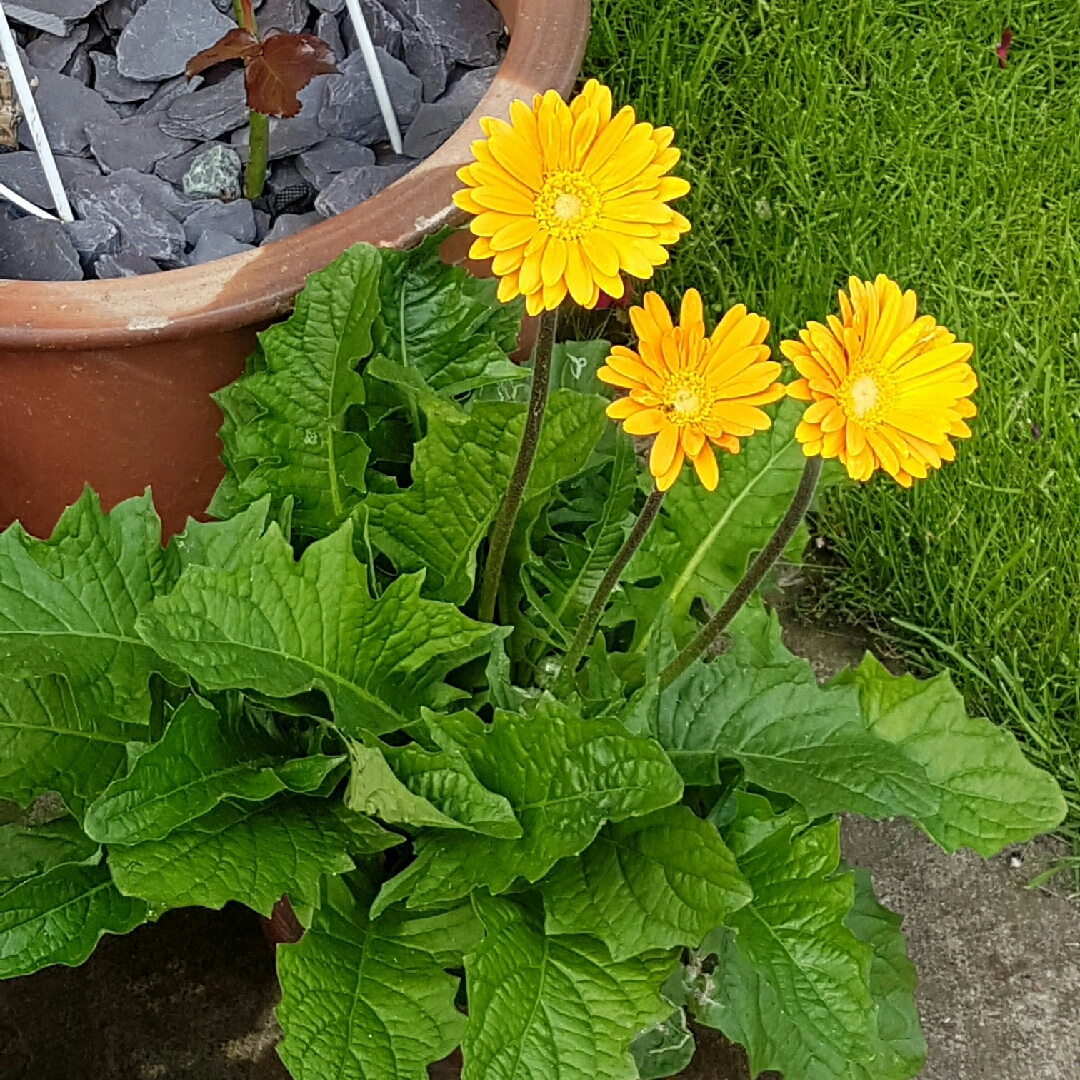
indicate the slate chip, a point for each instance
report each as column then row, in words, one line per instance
column 113, row 86
column 66, row 107
column 49, row 52
column 93, row 238
column 136, row 143
column 217, row 245
column 353, row 186
column 36, row 250
column 53, row 16
column 124, row 264
column 146, row 227
column 235, row 218
column 350, row 109
column 21, row 171
column 210, row 112
column 323, row 162
column 165, row 34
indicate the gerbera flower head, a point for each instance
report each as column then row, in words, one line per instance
column 565, row 197
column 888, row 390
column 691, row 391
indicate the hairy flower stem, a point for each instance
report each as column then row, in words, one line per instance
column 591, row 618
column 753, row 576
column 511, row 504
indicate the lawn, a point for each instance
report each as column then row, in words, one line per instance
column 866, row 136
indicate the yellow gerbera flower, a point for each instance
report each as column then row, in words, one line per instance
column 888, row 389
column 565, row 197
column 690, row 391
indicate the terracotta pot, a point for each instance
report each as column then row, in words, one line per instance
column 108, row 382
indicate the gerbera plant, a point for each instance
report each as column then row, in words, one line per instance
column 516, row 801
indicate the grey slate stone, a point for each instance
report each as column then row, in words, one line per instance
column 216, row 245
column 328, row 6
column 286, row 186
column 235, row 218
column 262, row 225
column 79, row 66
column 35, row 250
column 288, row 15
column 467, row 90
column 66, row 106
column 113, row 86
column 124, row 264
column 136, row 143
column 146, row 227
column 290, row 224
column 53, row 16
column 293, row 134
column 158, row 191
column 49, row 52
column 116, row 14
column 323, row 162
column 434, row 124
column 428, row 60
column 353, row 186
column 214, row 173
column 165, row 34
column 168, row 92
column 350, row 109
column 469, row 30
column 328, row 28
column 22, row 172
column 385, row 30
column 93, row 238
column 210, row 112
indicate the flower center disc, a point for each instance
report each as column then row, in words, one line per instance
column 568, row 205
column 864, row 395
column 686, row 399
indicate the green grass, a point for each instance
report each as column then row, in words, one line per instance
column 864, row 136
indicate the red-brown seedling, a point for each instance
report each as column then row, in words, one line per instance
column 275, row 68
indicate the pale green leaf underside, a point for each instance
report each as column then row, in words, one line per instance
column 29, row 850
column 68, row 604
column 646, row 883
column 362, row 999
column 58, row 918
column 283, row 628
column 665, row 1048
column 542, row 1007
column 52, row 741
column 251, row 852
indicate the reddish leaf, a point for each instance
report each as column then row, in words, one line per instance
column 235, row 45
column 1002, row 50
column 284, row 66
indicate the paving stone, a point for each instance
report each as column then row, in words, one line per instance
column 66, row 106
column 214, row 173
column 291, row 224
column 323, row 162
column 328, row 28
column 136, row 143
column 210, row 112
column 93, row 238
column 165, row 34
column 50, row 52
column 353, row 186
column 288, row 15
column 214, row 245
column 53, row 16
column 21, row 171
column 113, row 86
column 434, row 124
column 124, row 264
column 235, row 218
column 146, row 226
column 385, row 30
column 35, row 250
column 350, row 109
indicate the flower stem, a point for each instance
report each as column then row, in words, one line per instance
column 753, row 577
column 591, row 618
column 511, row 504
column 258, row 149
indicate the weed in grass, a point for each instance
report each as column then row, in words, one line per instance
column 866, row 136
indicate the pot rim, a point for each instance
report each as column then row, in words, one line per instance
column 547, row 45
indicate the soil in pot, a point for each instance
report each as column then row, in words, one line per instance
column 190, row 997
column 152, row 162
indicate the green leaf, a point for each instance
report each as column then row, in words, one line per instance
column 52, row 741
column 68, row 604
column 702, row 541
column 285, row 431
column 283, row 628
column 573, row 367
column 563, row 777
column 202, row 758
column 460, row 472
column 989, row 795
column 251, row 852
column 792, row 934
column 571, row 583
column 31, row 850
column 409, row 785
column 59, row 916
column 364, row 999
column 646, row 883
column 542, row 1006
column 737, row 1001
column 221, row 544
column 664, row 1049
column 442, row 323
